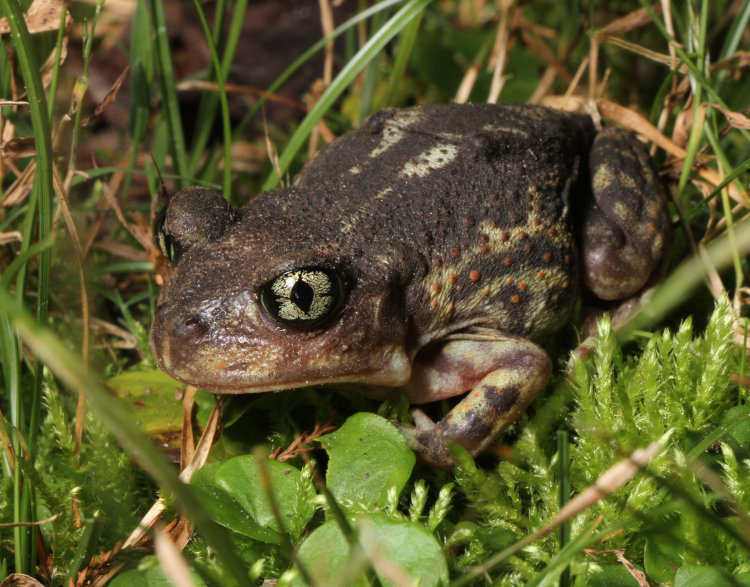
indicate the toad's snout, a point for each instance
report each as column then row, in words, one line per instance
column 178, row 339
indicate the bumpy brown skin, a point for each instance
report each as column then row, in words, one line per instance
column 455, row 231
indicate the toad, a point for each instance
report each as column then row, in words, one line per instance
column 429, row 253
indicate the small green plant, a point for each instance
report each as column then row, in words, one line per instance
column 682, row 517
column 269, row 506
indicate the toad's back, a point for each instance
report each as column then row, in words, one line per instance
column 472, row 203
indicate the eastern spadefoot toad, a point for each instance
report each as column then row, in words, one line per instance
column 427, row 253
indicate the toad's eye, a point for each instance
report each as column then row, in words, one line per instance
column 303, row 298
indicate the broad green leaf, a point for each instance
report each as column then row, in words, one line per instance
column 691, row 575
column 224, row 509
column 155, row 401
column 609, row 576
column 235, row 494
column 367, row 456
column 405, row 546
column 133, row 578
column 661, row 556
column 152, row 577
column 326, row 555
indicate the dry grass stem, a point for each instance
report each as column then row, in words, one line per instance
column 199, row 459
column 299, row 445
column 172, row 562
column 467, row 84
column 41, row 16
column 654, row 56
column 499, row 55
column 207, row 86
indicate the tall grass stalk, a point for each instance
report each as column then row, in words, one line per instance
column 221, row 69
column 69, row 369
column 168, row 89
column 410, row 11
column 210, row 100
column 24, row 509
column 307, row 55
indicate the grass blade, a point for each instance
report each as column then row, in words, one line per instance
column 227, row 131
column 302, row 59
column 70, row 370
column 169, row 93
column 24, row 511
column 368, row 52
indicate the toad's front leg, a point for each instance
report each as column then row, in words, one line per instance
column 502, row 375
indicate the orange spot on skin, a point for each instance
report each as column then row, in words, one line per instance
column 504, row 237
column 508, row 261
column 567, row 259
column 566, row 284
column 485, row 238
column 486, row 291
column 437, row 287
column 449, row 309
column 474, row 275
column 537, row 222
column 453, row 278
column 515, row 299
column 541, row 274
column 527, row 248
column 652, row 227
column 523, row 285
column 510, row 281
column 552, row 232
column 484, row 249
column 434, row 304
column 522, row 235
column 547, row 257
column 455, row 251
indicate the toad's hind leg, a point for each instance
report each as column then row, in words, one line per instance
column 502, row 376
column 626, row 223
column 624, row 232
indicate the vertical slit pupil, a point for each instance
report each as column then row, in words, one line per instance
column 302, row 295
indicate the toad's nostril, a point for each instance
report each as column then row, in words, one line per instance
column 191, row 329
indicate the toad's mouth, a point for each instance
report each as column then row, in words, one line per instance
column 369, row 378
column 227, row 385
column 259, row 368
